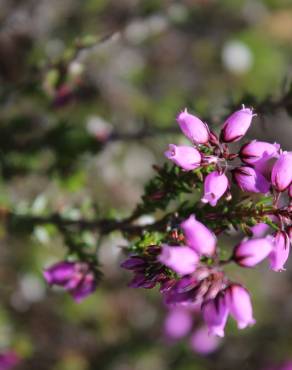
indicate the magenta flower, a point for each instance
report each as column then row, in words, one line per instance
column 282, row 172
column 181, row 259
column 251, row 252
column 250, row 180
column 259, row 230
column 193, row 128
column 199, row 237
column 215, row 185
column 203, row 343
column 280, row 252
column 260, row 154
column 186, row 157
column 236, row 125
column 75, row 277
column 178, row 322
column 215, row 314
column 239, row 305
column 8, row 360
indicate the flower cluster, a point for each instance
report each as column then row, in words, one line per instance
column 189, row 269
column 76, row 277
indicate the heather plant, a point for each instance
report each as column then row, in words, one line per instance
column 84, row 214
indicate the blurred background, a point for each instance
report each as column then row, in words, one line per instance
column 89, row 92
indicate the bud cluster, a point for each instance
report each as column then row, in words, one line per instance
column 189, row 269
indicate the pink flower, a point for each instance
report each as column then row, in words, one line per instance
column 181, row 259
column 280, row 252
column 186, row 157
column 259, row 230
column 178, row 322
column 250, row 180
column 193, row 128
column 215, row 185
column 236, row 125
column 75, row 277
column 203, row 343
column 239, row 305
column 199, row 237
column 260, row 154
column 251, row 252
column 282, row 172
column 215, row 314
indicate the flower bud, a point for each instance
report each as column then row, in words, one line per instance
column 215, row 314
column 280, row 252
column 250, row 180
column 186, row 157
column 261, row 155
column 203, row 343
column 251, row 252
column 236, row 125
column 215, row 185
column 59, row 273
column 254, row 151
column 178, row 322
column 181, row 259
column 282, row 172
column 199, row 237
column 239, row 305
column 193, row 128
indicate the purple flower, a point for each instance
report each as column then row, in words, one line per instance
column 239, row 305
column 186, row 157
column 259, row 230
column 193, row 128
column 236, row 125
column 181, row 259
column 280, row 252
column 282, row 172
column 178, row 322
column 215, row 185
column 203, row 343
column 260, row 154
column 75, row 277
column 215, row 314
column 198, row 236
column 251, row 252
column 250, row 180
column 8, row 360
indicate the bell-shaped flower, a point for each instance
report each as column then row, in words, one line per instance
column 193, row 128
column 239, row 305
column 215, row 314
column 280, row 252
column 250, row 180
column 282, row 172
column 250, row 252
column 236, row 125
column 261, row 155
column 186, row 157
column 181, row 259
column 215, row 185
column 199, row 237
